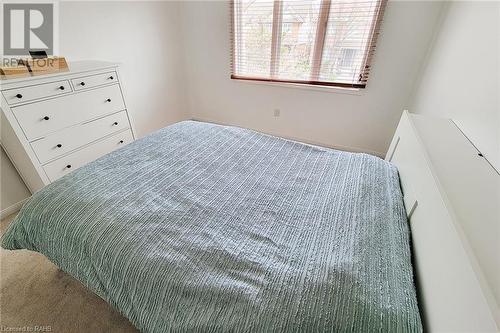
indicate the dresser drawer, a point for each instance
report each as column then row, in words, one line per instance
column 94, row 80
column 41, row 118
column 71, row 138
column 68, row 163
column 25, row 94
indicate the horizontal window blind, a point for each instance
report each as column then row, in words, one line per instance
column 319, row 42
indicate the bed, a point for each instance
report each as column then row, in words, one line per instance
column 203, row 227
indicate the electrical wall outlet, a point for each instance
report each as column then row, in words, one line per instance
column 277, row 112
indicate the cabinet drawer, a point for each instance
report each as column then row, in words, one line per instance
column 68, row 163
column 41, row 118
column 94, row 80
column 71, row 138
column 25, row 94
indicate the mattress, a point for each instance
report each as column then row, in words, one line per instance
column 201, row 227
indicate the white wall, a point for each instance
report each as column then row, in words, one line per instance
column 176, row 65
column 12, row 188
column 142, row 35
column 461, row 77
column 145, row 37
column 363, row 122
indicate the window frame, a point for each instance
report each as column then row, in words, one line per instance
column 318, row 48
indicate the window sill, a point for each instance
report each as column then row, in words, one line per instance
column 327, row 89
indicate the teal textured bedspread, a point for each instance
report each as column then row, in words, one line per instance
column 207, row 228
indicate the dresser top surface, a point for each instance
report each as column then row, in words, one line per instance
column 75, row 67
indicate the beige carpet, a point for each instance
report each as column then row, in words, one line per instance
column 34, row 292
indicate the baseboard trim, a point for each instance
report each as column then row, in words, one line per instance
column 310, row 142
column 11, row 209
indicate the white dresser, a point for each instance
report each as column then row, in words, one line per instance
column 53, row 124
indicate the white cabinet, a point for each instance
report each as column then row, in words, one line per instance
column 53, row 124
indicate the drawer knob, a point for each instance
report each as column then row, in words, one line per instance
column 111, row 78
column 68, row 166
column 19, row 96
column 108, row 100
column 121, row 141
column 115, row 123
column 61, row 88
column 46, row 118
column 59, row 145
column 82, row 83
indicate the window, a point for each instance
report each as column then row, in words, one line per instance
column 347, row 57
column 320, row 42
